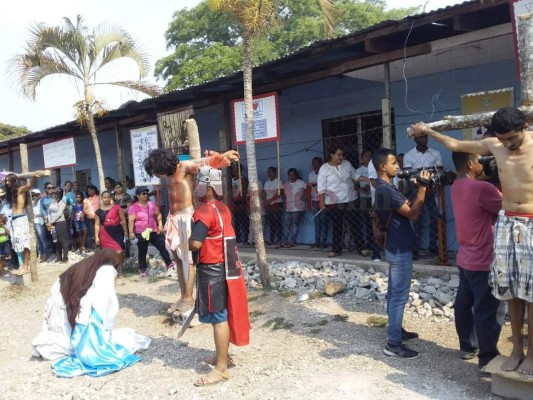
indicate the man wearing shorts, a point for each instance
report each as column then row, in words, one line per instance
column 180, row 181
column 511, row 274
column 212, row 235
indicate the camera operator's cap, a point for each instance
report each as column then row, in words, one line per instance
column 35, row 191
column 140, row 190
column 211, row 177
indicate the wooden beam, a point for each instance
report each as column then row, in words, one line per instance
column 345, row 67
column 24, row 161
column 462, row 23
column 379, row 46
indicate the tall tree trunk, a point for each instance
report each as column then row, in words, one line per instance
column 253, row 188
column 97, row 153
column 195, row 151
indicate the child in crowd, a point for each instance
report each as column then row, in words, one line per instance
column 79, row 223
column 4, row 237
column 294, row 190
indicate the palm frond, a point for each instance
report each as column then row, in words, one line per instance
column 145, row 87
column 331, row 16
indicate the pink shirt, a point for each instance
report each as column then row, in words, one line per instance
column 475, row 205
column 144, row 216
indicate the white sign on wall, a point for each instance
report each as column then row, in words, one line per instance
column 61, row 153
column 143, row 140
column 266, row 119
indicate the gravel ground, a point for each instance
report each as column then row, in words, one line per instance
column 319, row 349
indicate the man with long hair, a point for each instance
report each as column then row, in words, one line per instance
column 180, row 181
column 16, row 198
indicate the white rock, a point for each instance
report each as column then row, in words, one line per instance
column 290, row 283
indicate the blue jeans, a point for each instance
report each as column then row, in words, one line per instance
column 321, row 224
column 42, row 243
column 291, row 224
column 426, row 224
column 400, row 273
column 475, row 315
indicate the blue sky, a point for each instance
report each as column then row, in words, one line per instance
column 146, row 21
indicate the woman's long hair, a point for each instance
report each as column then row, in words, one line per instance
column 12, row 189
column 76, row 280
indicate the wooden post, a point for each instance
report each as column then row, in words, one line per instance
column 386, row 110
column 525, row 35
column 441, row 225
column 120, row 153
column 29, row 212
column 279, row 168
column 195, row 151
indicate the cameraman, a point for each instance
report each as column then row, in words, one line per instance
column 476, row 204
column 422, row 156
column 397, row 212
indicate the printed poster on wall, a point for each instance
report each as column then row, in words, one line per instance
column 143, row 140
column 266, row 119
column 60, row 153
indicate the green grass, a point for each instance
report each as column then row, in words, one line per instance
column 322, row 322
column 287, row 293
column 278, row 323
column 340, row 318
column 257, row 296
column 377, row 321
column 254, row 315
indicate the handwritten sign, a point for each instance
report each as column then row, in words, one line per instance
column 143, row 140
column 266, row 119
column 61, row 153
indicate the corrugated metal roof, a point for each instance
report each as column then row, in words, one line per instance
column 317, row 56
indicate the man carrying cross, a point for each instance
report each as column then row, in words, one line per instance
column 512, row 270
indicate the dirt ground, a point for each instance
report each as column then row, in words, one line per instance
column 319, row 349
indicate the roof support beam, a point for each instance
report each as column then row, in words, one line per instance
column 462, row 23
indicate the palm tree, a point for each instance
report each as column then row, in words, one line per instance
column 254, row 17
column 77, row 52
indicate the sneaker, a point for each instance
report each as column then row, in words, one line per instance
column 469, row 354
column 408, row 335
column 482, row 373
column 142, row 274
column 401, row 351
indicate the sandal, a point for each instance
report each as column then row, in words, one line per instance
column 212, row 360
column 212, row 378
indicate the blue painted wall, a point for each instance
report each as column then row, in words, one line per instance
column 302, row 110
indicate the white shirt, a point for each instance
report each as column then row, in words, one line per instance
column 359, row 172
column 336, row 183
column 271, row 188
column 416, row 159
column 37, row 216
column 313, row 179
column 295, row 195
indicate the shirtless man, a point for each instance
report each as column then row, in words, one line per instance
column 512, row 270
column 180, row 183
column 16, row 198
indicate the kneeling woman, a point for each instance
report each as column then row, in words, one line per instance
column 79, row 318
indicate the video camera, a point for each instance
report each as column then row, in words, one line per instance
column 437, row 177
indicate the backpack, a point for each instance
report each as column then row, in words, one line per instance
column 379, row 229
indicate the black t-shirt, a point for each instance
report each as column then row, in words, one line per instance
column 400, row 232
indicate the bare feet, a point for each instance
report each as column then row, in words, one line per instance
column 526, row 368
column 513, row 362
column 212, row 360
column 180, row 307
column 21, row 270
column 212, row 378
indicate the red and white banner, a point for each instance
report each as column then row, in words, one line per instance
column 61, row 153
column 266, row 119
